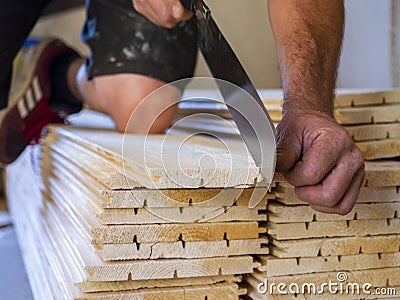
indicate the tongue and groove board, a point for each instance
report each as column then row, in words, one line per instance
column 165, row 161
column 91, row 185
column 291, row 266
column 115, row 252
column 289, row 231
column 279, row 213
column 389, row 113
column 365, row 133
column 380, row 149
column 349, row 98
column 335, row 246
column 64, row 258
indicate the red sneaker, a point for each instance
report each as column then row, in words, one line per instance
column 21, row 123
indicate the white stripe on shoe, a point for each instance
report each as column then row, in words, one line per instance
column 37, row 90
column 30, row 102
column 23, row 111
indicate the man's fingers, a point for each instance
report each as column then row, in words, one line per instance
column 341, row 184
column 335, row 184
column 349, row 198
column 164, row 13
column 317, row 161
column 179, row 13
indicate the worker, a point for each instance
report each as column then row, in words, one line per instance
column 137, row 46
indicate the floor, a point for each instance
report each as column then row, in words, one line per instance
column 14, row 283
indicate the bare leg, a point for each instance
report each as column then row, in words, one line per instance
column 119, row 96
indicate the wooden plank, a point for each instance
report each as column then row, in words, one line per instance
column 384, row 173
column 218, row 108
column 128, row 285
column 368, row 115
column 113, row 252
column 196, row 197
column 286, row 195
column 97, row 270
column 79, row 193
column 104, row 172
column 171, row 268
column 293, row 231
column 153, row 160
column 351, row 98
column 228, row 291
column 139, row 197
column 181, row 215
column 170, row 233
column 45, row 273
column 85, row 221
column 192, row 110
column 50, row 261
column 335, row 246
column 279, row 213
column 363, row 133
column 388, row 148
column 302, row 265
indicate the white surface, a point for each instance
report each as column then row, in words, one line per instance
column 14, row 284
column 366, row 53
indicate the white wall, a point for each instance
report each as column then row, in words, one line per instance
column 366, row 56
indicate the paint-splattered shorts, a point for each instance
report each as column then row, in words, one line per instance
column 123, row 41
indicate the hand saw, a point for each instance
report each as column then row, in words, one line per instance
column 244, row 103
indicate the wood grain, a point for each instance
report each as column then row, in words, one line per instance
column 291, row 266
column 368, row 115
column 335, row 246
column 293, row 231
column 389, row 148
column 364, row 133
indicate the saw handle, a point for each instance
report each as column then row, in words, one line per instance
column 188, row 4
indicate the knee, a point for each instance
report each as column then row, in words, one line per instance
column 138, row 104
column 142, row 121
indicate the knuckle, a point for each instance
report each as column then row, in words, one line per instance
column 312, row 174
column 358, row 157
column 329, row 198
column 344, row 139
column 138, row 5
column 345, row 210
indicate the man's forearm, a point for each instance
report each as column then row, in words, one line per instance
column 308, row 34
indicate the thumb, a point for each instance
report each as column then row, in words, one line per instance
column 288, row 150
column 179, row 13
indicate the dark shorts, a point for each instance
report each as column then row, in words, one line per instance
column 121, row 41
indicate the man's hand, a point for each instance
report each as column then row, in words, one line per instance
column 164, row 13
column 320, row 159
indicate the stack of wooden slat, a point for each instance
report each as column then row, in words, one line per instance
column 94, row 224
column 311, row 247
column 371, row 118
column 363, row 247
column 373, row 121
